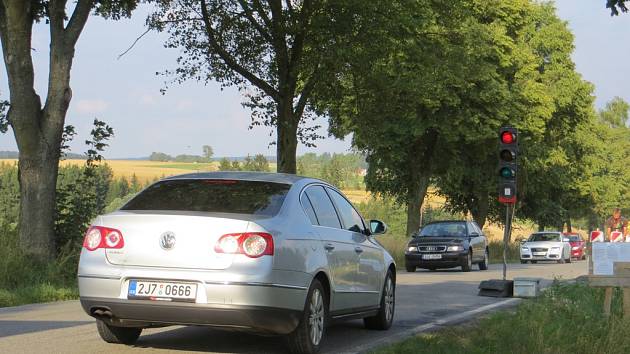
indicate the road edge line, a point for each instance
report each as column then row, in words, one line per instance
column 431, row 325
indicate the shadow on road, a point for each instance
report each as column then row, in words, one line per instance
column 12, row 328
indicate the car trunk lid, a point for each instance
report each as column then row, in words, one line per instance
column 172, row 239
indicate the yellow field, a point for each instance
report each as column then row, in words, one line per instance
column 149, row 170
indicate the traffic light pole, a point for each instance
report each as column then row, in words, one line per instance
column 509, row 212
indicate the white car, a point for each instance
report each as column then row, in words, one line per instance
column 546, row 246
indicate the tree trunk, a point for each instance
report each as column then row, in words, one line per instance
column 286, row 139
column 417, row 192
column 481, row 209
column 569, row 225
column 420, row 157
column 541, row 227
column 37, row 171
column 38, row 129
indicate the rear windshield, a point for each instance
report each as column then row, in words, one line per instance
column 212, row 195
column 544, row 237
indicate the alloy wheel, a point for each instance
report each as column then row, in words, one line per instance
column 316, row 317
column 389, row 299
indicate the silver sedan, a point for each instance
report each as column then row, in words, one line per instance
column 261, row 252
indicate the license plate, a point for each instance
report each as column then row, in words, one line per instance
column 431, row 256
column 162, row 290
column 539, row 253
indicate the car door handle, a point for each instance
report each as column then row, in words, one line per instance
column 329, row 247
column 358, row 250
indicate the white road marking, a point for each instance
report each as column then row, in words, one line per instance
column 429, row 326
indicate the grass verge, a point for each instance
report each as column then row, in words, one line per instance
column 25, row 281
column 567, row 318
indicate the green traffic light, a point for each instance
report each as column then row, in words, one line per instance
column 507, row 172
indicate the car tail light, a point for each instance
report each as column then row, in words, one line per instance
column 102, row 237
column 251, row 244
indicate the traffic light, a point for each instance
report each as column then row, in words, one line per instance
column 508, row 154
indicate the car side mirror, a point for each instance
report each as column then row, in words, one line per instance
column 377, row 227
column 474, row 234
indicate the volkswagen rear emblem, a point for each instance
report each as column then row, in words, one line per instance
column 167, row 240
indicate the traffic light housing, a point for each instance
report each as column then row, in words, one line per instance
column 508, row 155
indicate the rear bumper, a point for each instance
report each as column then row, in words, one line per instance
column 449, row 260
column 144, row 313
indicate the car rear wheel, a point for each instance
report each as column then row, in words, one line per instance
column 307, row 337
column 484, row 264
column 467, row 266
column 117, row 335
column 385, row 316
column 410, row 269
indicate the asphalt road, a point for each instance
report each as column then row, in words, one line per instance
column 424, row 300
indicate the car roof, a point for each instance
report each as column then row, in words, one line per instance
column 444, row 221
column 244, row 176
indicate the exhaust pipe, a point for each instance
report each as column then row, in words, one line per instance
column 101, row 313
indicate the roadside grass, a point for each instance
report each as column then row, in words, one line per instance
column 495, row 248
column 24, row 280
column 567, row 318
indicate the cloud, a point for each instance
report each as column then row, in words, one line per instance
column 91, row 106
column 147, row 99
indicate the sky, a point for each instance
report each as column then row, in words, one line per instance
column 125, row 92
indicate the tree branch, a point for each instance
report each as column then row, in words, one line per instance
column 298, row 43
column 56, row 15
column 250, row 16
column 261, row 12
column 77, row 21
column 134, row 43
column 230, row 61
column 305, row 95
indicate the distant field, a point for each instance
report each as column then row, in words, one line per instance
column 147, row 171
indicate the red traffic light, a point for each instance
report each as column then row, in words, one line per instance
column 508, row 137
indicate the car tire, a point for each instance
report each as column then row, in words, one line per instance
column 568, row 259
column 117, row 335
column 305, row 340
column 385, row 317
column 523, row 262
column 410, row 269
column 483, row 265
column 534, row 262
column 467, row 266
column 561, row 261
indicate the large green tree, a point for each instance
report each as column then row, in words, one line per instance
column 615, row 114
column 37, row 127
column 276, row 52
column 409, row 99
column 552, row 147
